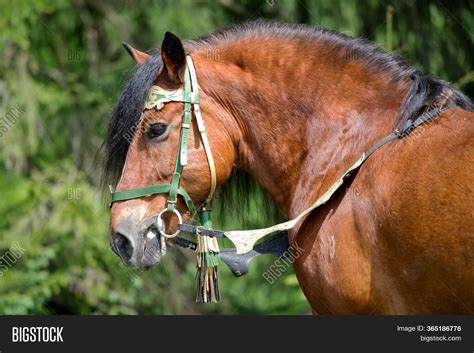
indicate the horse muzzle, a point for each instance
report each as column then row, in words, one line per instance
column 142, row 247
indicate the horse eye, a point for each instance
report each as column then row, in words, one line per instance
column 156, row 130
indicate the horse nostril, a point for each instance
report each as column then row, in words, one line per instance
column 124, row 246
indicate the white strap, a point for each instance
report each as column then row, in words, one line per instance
column 202, row 131
column 244, row 240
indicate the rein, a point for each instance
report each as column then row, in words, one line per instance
column 206, row 247
column 244, row 240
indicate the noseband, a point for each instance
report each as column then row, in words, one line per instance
column 157, row 97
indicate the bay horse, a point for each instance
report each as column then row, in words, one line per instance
column 294, row 106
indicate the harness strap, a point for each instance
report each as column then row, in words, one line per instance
column 244, row 240
column 189, row 228
column 407, row 127
column 410, row 124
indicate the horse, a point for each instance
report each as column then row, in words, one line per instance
column 294, row 106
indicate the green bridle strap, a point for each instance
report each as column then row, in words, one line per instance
column 182, row 157
column 152, row 190
column 157, row 97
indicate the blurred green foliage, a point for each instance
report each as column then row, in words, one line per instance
column 62, row 60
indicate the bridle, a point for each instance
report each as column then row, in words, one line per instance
column 190, row 97
column 206, row 247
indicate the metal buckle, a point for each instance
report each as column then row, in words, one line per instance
column 160, row 224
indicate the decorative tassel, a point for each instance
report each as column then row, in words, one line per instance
column 207, row 252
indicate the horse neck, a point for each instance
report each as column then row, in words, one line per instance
column 302, row 121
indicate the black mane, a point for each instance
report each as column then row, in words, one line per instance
column 424, row 91
column 126, row 116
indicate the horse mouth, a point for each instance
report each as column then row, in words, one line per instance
column 149, row 249
column 154, row 248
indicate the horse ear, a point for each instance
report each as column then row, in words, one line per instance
column 174, row 58
column 137, row 55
